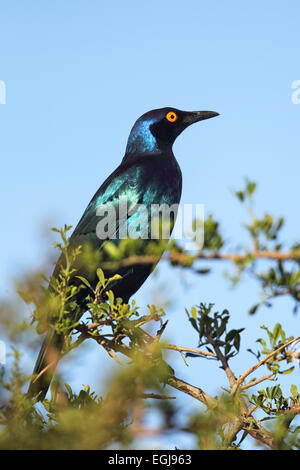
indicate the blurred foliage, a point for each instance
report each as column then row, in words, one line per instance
column 145, row 380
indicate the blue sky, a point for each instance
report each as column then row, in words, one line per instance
column 78, row 74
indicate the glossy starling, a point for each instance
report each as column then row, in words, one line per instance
column 148, row 174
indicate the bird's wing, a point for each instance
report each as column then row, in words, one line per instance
column 122, row 183
column 106, row 203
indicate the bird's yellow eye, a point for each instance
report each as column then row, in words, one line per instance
column 171, row 116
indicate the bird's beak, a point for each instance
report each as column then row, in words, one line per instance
column 195, row 116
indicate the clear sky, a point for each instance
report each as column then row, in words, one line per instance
column 79, row 73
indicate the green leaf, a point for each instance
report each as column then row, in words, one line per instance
column 294, row 390
column 86, row 282
column 114, row 278
column 250, row 187
column 194, row 312
column 240, row 195
column 287, row 371
column 101, row 277
column 236, row 342
column 111, row 297
column 253, row 309
column 276, row 332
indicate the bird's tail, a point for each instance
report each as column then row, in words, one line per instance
column 45, row 365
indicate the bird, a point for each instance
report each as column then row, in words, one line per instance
column 148, row 174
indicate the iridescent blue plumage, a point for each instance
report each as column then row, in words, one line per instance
column 148, row 174
column 141, row 138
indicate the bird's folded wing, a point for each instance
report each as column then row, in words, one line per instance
column 121, row 191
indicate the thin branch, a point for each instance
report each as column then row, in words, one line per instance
column 293, row 410
column 146, row 318
column 254, row 408
column 223, row 360
column 184, row 257
column 113, row 355
column 257, row 381
column 259, row 433
column 261, row 362
column 160, row 332
column 193, row 391
column 191, row 350
column 156, row 396
column 92, row 326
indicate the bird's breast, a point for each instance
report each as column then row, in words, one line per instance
column 161, row 192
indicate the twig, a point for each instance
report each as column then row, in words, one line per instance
column 223, row 360
column 191, row 350
column 183, row 257
column 257, row 381
column 160, row 332
column 84, row 328
column 194, row 392
column 258, row 364
column 293, row 410
column 156, row 396
column 147, row 318
column 254, row 408
column 258, row 432
column 113, row 355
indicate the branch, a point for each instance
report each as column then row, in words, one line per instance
column 194, row 392
column 182, row 258
column 223, row 360
column 257, row 381
column 258, row 432
column 258, row 364
column 238, row 423
column 191, row 350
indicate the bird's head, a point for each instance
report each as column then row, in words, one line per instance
column 157, row 130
